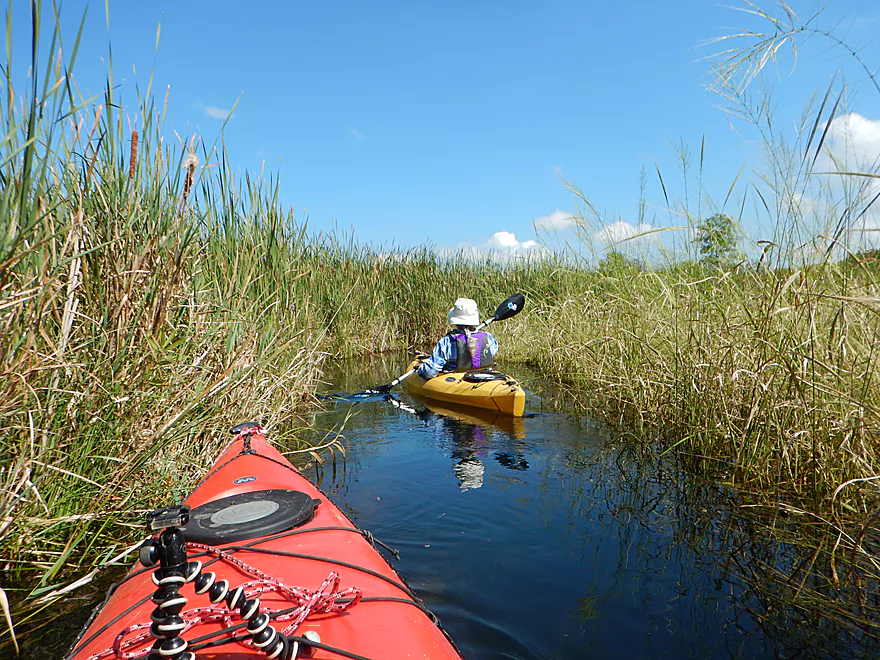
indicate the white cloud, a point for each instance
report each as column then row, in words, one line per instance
column 505, row 240
column 620, row 231
column 554, row 222
column 503, row 245
column 855, row 141
column 217, row 113
column 355, row 132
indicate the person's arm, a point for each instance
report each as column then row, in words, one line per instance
column 434, row 364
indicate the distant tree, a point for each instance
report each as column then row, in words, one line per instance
column 617, row 263
column 866, row 260
column 871, row 256
column 716, row 240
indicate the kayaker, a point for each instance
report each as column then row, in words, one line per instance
column 461, row 349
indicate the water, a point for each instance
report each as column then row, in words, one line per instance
column 542, row 537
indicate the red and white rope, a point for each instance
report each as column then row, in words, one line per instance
column 327, row 598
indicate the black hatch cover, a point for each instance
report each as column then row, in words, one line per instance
column 249, row 515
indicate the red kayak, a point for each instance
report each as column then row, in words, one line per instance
column 259, row 563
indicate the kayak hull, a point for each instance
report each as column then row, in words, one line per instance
column 504, row 396
column 389, row 623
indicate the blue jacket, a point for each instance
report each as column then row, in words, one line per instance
column 445, row 356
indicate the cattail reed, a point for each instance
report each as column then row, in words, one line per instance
column 135, row 329
column 132, row 161
column 190, row 163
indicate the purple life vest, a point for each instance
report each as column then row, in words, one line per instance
column 466, row 359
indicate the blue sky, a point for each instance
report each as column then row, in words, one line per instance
column 450, row 122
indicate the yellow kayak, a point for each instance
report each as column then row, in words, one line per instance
column 485, row 388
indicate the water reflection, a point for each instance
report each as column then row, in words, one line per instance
column 468, row 435
column 557, row 526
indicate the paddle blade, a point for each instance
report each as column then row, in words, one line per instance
column 510, row 307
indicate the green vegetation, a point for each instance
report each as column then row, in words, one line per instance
column 148, row 300
column 764, row 370
column 769, row 379
column 760, row 373
column 716, row 241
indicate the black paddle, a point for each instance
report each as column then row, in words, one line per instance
column 510, row 307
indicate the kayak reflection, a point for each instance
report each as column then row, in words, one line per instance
column 472, row 435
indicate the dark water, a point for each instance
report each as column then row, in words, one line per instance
column 542, row 537
column 549, row 537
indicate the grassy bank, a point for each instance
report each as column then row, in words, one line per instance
column 752, row 359
column 768, row 380
column 752, row 356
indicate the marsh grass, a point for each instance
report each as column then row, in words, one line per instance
column 760, row 372
column 767, row 378
column 119, row 365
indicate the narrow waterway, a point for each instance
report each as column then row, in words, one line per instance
column 547, row 537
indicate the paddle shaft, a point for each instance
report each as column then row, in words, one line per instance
column 400, row 378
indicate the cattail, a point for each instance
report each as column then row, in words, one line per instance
column 190, row 163
column 132, row 161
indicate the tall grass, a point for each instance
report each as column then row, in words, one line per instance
column 149, row 300
column 762, row 369
column 119, row 365
column 767, row 378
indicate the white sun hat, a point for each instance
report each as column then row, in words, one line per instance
column 464, row 312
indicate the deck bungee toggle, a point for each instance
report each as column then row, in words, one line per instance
column 238, row 604
column 169, row 551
